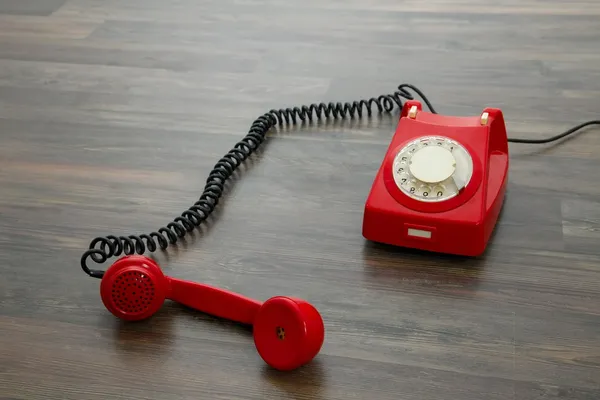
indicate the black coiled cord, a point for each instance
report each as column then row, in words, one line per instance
column 102, row 248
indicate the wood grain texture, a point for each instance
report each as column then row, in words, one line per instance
column 30, row 7
column 112, row 114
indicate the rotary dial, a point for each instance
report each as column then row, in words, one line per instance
column 432, row 168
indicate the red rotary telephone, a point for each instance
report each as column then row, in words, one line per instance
column 441, row 184
column 440, row 188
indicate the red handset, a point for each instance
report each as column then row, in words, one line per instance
column 288, row 332
column 441, row 184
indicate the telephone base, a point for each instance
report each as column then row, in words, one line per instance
column 441, row 184
column 433, row 234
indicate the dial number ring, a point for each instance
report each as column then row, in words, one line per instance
column 444, row 171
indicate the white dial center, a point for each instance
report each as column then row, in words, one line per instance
column 432, row 164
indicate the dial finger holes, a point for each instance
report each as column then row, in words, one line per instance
column 432, row 168
column 438, row 191
column 424, row 190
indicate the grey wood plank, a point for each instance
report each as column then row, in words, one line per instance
column 30, row 7
column 113, row 113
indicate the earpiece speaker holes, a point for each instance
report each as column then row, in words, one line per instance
column 280, row 333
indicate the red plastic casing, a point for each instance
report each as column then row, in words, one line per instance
column 461, row 225
column 288, row 332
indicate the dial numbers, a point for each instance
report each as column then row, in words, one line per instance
column 432, row 168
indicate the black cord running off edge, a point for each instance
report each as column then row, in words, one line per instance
column 111, row 245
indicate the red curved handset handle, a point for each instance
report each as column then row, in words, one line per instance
column 288, row 332
column 214, row 301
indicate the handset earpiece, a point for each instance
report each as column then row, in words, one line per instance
column 288, row 332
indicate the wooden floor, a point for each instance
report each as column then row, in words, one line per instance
column 112, row 114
